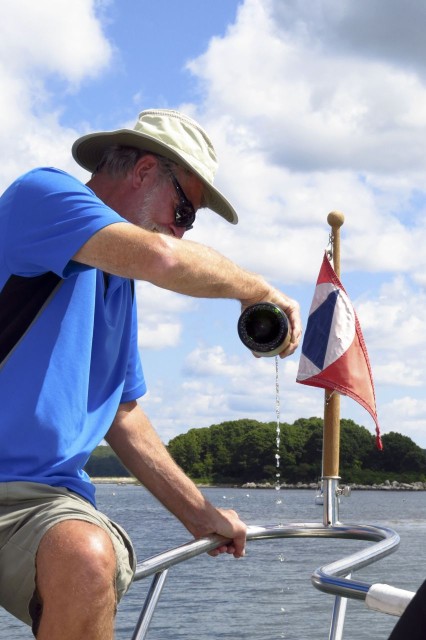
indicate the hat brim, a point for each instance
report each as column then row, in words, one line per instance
column 88, row 150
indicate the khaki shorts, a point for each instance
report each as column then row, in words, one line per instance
column 27, row 511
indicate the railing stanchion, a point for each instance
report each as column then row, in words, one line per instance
column 150, row 603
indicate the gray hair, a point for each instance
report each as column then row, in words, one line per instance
column 118, row 161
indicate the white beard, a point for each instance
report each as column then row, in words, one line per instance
column 145, row 217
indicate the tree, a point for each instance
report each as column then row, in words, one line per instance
column 252, row 457
column 356, row 445
column 244, row 450
column 400, row 455
column 104, row 463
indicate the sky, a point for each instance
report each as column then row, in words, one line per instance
column 312, row 107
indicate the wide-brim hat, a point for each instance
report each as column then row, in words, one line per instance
column 167, row 133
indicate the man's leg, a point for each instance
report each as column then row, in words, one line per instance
column 75, row 578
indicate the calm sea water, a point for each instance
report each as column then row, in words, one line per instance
column 267, row 595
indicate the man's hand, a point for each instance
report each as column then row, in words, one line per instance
column 227, row 524
column 292, row 311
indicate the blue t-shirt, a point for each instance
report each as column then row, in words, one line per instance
column 61, row 386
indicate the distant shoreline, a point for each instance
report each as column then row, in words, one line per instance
column 114, row 480
column 312, row 486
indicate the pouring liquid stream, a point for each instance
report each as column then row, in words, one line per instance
column 278, row 433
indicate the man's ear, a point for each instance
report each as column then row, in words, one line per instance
column 144, row 169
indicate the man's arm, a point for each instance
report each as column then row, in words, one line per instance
column 140, row 449
column 183, row 266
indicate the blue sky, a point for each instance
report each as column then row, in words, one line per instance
column 312, row 108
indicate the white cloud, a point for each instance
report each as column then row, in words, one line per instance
column 312, row 126
column 394, row 321
column 60, row 37
column 409, row 413
column 379, row 29
column 212, row 362
column 398, row 373
column 159, row 314
column 40, row 41
column 308, row 106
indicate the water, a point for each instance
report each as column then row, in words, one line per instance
column 267, row 595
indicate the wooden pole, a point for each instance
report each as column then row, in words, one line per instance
column 331, row 436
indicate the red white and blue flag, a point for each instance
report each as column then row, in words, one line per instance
column 334, row 355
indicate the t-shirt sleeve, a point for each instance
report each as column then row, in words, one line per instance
column 134, row 386
column 51, row 215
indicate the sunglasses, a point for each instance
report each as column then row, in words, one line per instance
column 184, row 211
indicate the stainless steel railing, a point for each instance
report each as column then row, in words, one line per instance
column 333, row 578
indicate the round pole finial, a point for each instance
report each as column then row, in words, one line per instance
column 335, row 219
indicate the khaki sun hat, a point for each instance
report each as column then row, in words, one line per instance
column 168, row 133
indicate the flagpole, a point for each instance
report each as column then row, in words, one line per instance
column 331, row 433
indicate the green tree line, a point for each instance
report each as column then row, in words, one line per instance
column 245, row 451
column 104, row 463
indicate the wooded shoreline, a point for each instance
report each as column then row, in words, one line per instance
column 312, row 486
column 241, row 452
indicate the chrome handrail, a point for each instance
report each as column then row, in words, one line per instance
column 331, row 578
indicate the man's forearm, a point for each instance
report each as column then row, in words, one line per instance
column 183, row 266
column 178, row 265
column 140, row 449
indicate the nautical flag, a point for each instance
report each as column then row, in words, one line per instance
column 334, row 355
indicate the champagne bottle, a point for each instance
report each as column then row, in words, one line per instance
column 264, row 329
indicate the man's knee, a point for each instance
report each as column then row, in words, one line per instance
column 75, row 580
column 75, row 552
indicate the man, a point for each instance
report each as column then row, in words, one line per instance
column 70, row 372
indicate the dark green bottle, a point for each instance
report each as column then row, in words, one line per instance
column 264, row 329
